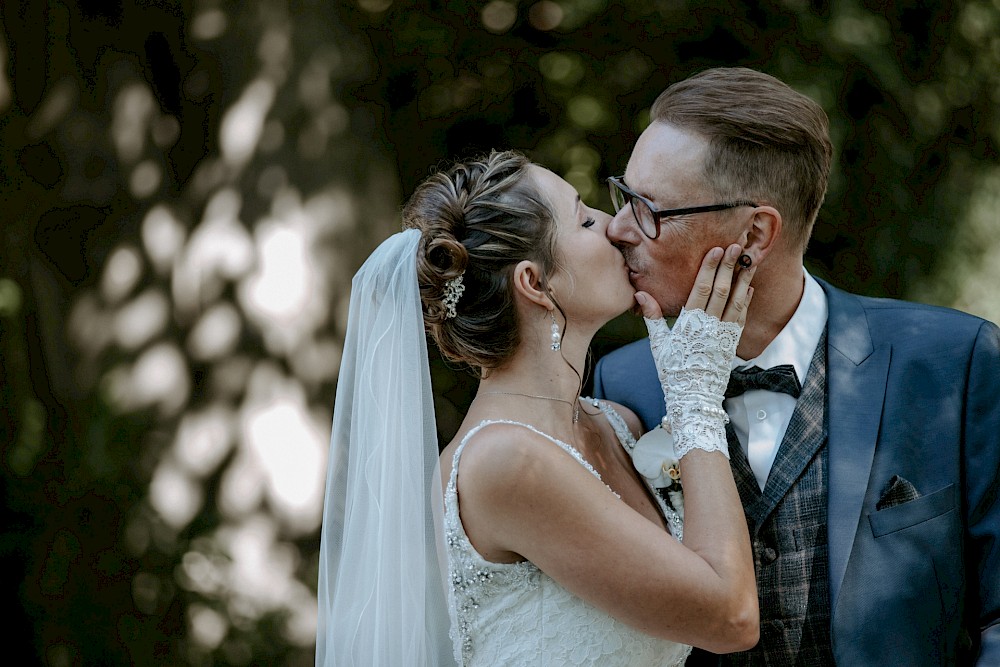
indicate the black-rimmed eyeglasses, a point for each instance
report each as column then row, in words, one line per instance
column 648, row 216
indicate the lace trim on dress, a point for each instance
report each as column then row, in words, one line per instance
column 617, row 422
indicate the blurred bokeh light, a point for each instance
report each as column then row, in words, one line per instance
column 189, row 187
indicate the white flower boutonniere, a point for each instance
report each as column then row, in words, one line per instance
column 654, row 458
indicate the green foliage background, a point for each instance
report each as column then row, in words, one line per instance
column 133, row 131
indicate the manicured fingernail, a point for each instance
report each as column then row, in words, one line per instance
column 733, row 251
column 716, row 253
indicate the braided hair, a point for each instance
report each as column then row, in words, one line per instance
column 477, row 220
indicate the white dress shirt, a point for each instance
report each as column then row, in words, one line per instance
column 760, row 417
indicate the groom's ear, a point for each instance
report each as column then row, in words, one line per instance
column 762, row 234
column 528, row 283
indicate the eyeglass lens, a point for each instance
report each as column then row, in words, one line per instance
column 618, row 199
column 643, row 216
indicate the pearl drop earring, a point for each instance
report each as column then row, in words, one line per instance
column 556, row 336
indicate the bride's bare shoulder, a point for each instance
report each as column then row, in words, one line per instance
column 506, row 473
column 500, row 454
column 500, row 439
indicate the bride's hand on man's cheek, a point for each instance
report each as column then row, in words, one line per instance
column 719, row 288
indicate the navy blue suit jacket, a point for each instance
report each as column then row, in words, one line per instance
column 913, row 391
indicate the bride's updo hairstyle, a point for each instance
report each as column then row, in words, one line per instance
column 477, row 220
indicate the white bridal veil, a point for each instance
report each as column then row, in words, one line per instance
column 381, row 594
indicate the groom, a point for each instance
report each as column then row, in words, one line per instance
column 869, row 464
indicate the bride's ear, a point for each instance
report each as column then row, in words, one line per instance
column 528, row 283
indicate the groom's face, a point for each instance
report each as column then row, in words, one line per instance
column 666, row 167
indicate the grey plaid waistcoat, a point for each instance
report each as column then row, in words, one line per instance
column 787, row 524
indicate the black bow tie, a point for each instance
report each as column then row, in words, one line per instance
column 780, row 378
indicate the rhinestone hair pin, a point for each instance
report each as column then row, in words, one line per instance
column 452, row 291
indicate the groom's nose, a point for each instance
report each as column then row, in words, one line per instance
column 623, row 229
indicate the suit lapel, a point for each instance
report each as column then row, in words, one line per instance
column 856, row 381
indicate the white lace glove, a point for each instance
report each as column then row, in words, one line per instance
column 693, row 361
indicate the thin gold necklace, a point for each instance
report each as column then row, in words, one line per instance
column 574, row 404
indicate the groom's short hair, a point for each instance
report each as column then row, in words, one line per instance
column 767, row 142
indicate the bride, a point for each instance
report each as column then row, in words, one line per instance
column 533, row 541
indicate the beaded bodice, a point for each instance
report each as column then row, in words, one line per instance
column 514, row 614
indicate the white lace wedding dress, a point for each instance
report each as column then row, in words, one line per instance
column 515, row 615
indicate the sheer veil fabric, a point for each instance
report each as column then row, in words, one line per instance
column 381, row 591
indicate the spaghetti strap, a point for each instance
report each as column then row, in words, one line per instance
column 568, row 448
